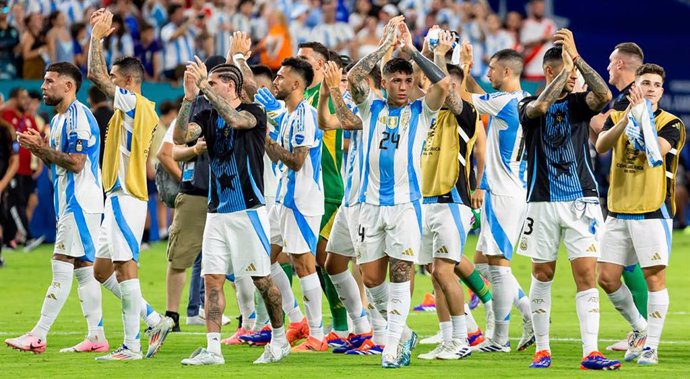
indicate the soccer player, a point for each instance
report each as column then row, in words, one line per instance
column 503, row 180
column 299, row 199
column 124, row 180
column 562, row 197
column 234, row 134
column 390, row 194
column 641, row 208
column 72, row 155
column 446, row 168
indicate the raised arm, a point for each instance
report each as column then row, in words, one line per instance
column 184, row 130
column 599, row 94
column 33, row 141
column 552, row 92
column 97, row 72
column 469, row 85
column 345, row 118
column 240, row 50
column 445, row 43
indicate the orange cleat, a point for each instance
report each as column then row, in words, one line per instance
column 309, row 345
column 297, row 331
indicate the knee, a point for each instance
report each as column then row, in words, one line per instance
column 584, row 279
column 100, row 276
column 609, row 282
column 371, row 281
column 543, row 274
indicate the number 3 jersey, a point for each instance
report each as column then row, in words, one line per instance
column 393, row 139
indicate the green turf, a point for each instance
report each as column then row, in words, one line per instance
column 25, row 278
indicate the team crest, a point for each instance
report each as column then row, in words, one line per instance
column 80, row 146
column 392, row 122
column 523, row 244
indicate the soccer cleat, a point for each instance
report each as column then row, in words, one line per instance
column 433, row 340
column 433, row 354
column 297, row 331
column 311, row 344
column 621, row 345
column 455, row 350
column 353, row 341
column 408, row 342
column 489, row 346
column 367, row 348
column 88, row 346
column 235, row 338
column 428, row 304
column 158, row 334
column 27, row 342
column 389, row 361
column 475, row 338
column 195, row 320
column 542, row 359
column 636, row 342
column 260, row 338
column 527, row 338
column 334, row 340
column 597, row 361
column 271, row 354
column 122, row 353
column 203, row 357
column 649, row 357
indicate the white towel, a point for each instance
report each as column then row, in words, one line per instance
column 641, row 131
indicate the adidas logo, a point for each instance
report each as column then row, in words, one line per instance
column 656, row 256
column 51, row 296
column 592, row 248
column 408, row 252
column 539, row 311
column 251, row 268
column 306, row 299
column 655, row 314
column 594, row 310
column 442, row 250
column 395, row 312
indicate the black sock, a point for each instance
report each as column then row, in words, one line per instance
column 176, row 317
column 146, row 236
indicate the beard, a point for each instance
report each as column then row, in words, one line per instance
column 281, row 95
column 52, row 101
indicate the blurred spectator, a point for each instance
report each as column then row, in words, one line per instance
column 59, row 40
column 154, row 13
column 513, row 24
column 17, row 17
column 535, row 36
column 73, row 10
column 129, row 17
column 367, row 39
column 357, row 19
column 299, row 31
column 333, row 34
column 241, row 19
column 119, row 43
column 80, row 45
column 177, row 37
column 220, row 26
column 277, row 45
column 8, row 168
column 36, row 99
column 495, row 39
column 33, row 47
column 148, row 52
column 168, row 113
column 9, row 42
column 102, row 111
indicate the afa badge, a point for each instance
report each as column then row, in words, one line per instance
column 80, row 146
column 523, row 244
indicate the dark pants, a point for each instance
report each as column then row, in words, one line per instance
column 196, row 289
column 21, row 187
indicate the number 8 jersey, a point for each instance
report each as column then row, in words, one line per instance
column 393, row 139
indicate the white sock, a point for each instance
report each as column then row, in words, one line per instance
column 503, row 294
column 587, row 303
column 379, row 298
column 59, row 289
column 278, row 336
column 131, row 304
column 90, row 297
column 348, row 291
column 657, row 306
column 520, row 301
column 281, row 281
column 244, row 290
column 459, row 328
column 148, row 314
column 483, row 269
column 398, row 309
column 113, row 286
column 446, row 331
column 472, row 326
column 540, row 306
column 311, row 288
column 378, row 323
column 213, row 343
column 623, row 301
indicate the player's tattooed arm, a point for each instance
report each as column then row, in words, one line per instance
column 348, row 120
column 34, row 142
column 600, row 93
column 293, row 161
column 97, row 71
column 445, row 43
column 344, row 118
column 185, row 131
column 271, row 296
column 240, row 51
column 553, row 90
column 237, row 120
column 400, row 271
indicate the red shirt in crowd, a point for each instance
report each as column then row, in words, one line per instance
column 21, row 123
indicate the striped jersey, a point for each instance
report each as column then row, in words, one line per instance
column 504, row 172
column 301, row 191
column 178, row 51
column 393, row 139
column 353, row 158
column 270, row 168
column 76, row 132
column 126, row 101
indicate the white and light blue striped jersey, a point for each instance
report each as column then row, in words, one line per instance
column 504, row 171
column 126, row 101
column 393, row 139
column 353, row 158
column 179, row 51
column 331, row 35
column 76, row 132
column 301, row 191
column 271, row 170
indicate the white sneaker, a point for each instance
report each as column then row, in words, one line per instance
column 527, row 338
column 271, row 355
column 195, row 320
column 636, row 342
column 489, row 346
column 158, row 334
column 203, row 357
column 122, row 353
column 456, row 349
column 433, row 340
column 649, row 357
column 433, row 354
column 226, row 320
column 621, row 345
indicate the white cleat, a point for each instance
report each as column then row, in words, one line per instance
column 158, row 334
column 226, row 320
column 433, row 340
column 454, row 350
column 527, row 338
column 636, row 341
column 621, row 345
column 122, row 353
column 195, row 320
column 649, row 357
column 272, row 355
column 203, row 357
column 489, row 346
column 433, row 354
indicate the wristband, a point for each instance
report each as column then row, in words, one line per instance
column 238, row 56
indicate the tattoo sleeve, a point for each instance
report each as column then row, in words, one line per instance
column 357, row 77
column 348, row 120
column 550, row 94
column 432, row 71
column 248, row 84
column 400, row 271
column 72, row 162
column 453, row 101
column 600, row 94
column 184, row 131
column 97, row 70
column 237, row 120
column 271, row 296
column 293, row 161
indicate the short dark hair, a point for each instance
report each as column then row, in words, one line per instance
column 76, row 28
column 455, row 70
column 167, row 107
column 398, row 65
column 630, row 48
column 651, row 68
column 96, row 95
column 333, row 56
column 131, row 66
column 35, row 95
column 227, row 71
column 554, row 54
column 172, row 8
column 301, row 67
column 510, row 58
column 144, row 26
column 67, row 69
column 14, row 93
column 317, row 47
column 213, row 61
column 262, row 70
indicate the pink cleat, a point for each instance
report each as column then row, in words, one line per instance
column 88, row 346
column 27, row 342
column 235, row 338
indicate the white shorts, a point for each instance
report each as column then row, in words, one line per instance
column 444, row 231
column 236, row 243
column 345, row 231
column 122, row 227
column 579, row 222
column 296, row 233
column 76, row 235
column 627, row 242
column 501, row 222
column 394, row 231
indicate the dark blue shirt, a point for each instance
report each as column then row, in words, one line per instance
column 146, row 54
